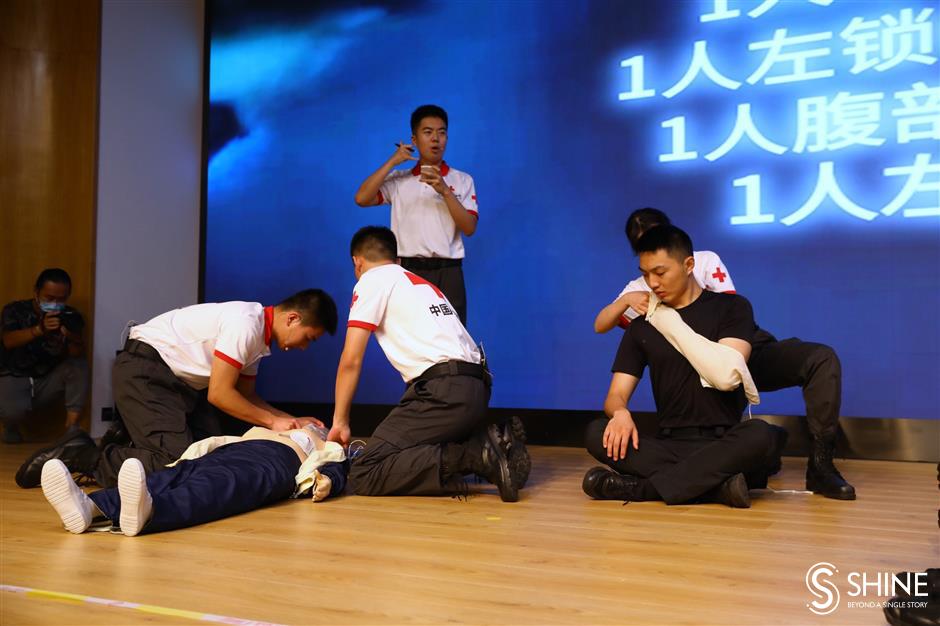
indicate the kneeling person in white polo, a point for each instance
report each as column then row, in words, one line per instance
column 438, row 431
column 176, row 369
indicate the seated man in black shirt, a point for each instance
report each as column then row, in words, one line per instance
column 41, row 354
column 702, row 450
column 774, row 364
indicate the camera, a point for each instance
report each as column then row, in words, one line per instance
column 72, row 321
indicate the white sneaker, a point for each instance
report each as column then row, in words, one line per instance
column 136, row 503
column 69, row 501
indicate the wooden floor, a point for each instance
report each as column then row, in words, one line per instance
column 556, row 557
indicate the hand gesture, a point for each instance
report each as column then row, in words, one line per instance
column 639, row 301
column 432, row 176
column 619, row 433
column 51, row 323
column 280, row 424
column 306, row 421
column 403, row 153
column 340, row 433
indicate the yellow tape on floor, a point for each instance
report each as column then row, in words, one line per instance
column 74, row 598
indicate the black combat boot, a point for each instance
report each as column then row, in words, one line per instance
column 518, row 456
column 486, row 455
column 116, row 435
column 734, row 493
column 494, row 464
column 911, row 609
column 76, row 449
column 601, row 483
column 822, row 477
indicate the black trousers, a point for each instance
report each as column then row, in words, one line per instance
column 403, row 456
column 162, row 414
column 448, row 279
column 684, row 468
column 793, row 363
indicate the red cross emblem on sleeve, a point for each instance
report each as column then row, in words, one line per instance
column 719, row 275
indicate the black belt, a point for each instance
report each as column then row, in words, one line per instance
column 142, row 349
column 428, row 263
column 452, row 368
column 693, row 431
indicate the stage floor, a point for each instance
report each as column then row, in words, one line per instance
column 556, row 557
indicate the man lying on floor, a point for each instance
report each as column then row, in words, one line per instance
column 696, row 348
column 215, row 478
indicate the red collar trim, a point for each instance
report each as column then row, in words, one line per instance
column 445, row 168
column 268, row 323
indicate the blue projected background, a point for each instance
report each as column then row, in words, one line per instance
column 800, row 140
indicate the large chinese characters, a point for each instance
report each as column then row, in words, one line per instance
column 817, row 70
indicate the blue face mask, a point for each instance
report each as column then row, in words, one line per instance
column 51, row 307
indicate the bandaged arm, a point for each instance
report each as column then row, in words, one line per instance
column 721, row 365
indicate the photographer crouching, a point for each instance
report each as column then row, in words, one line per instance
column 42, row 354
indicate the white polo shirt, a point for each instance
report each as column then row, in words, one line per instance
column 187, row 339
column 413, row 322
column 708, row 272
column 420, row 219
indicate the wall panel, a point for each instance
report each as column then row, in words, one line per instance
column 49, row 54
